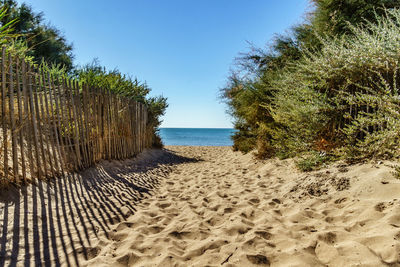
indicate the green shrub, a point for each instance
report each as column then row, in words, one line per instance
column 332, row 86
column 358, row 74
column 312, row 161
column 300, row 112
column 243, row 143
column 396, row 171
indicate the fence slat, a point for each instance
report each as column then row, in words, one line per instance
column 107, row 112
column 73, row 121
column 12, row 119
column 50, row 124
column 34, row 127
column 66, row 125
column 57, row 124
column 37, row 102
column 45, row 115
column 4, row 112
column 82, row 129
column 86, row 124
column 27, row 124
column 21, row 125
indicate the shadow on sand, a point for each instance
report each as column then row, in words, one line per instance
column 57, row 222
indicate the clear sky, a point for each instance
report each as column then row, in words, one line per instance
column 183, row 49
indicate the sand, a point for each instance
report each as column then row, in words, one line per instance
column 205, row 206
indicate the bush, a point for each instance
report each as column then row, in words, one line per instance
column 243, row 142
column 339, row 95
column 345, row 95
column 396, row 171
column 357, row 76
column 312, row 161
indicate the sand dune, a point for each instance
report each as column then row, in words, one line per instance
column 209, row 206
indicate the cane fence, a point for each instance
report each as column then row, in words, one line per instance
column 52, row 125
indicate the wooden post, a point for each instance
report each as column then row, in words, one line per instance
column 45, row 118
column 141, row 127
column 101, row 140
column 107, row 113
column 67, row 124
column 99, row 136
column 28, row 124
column 73, row 119
column 135, row 135
column 116, row 129
column 39, row 124
column 34, row 124
column 52, row 124
column 89, row 146
column 78, row 112
column 94, row 124
column 12, row 118
column 57, row 123
column 4, row 111
column 21, row 120
column 85, row 141
column 130, row 154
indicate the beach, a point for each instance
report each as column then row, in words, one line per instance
column 205, row 206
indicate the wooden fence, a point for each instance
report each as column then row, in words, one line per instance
column 51, row 125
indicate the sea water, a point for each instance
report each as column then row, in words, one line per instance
column 196, row 136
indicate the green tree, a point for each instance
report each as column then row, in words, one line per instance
column 335, row 17
column 44, row 42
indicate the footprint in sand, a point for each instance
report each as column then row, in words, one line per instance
column 228, row 210
column 340, row 200
column 164, row 205
column 264, row 234
column 328, row 237
column 380, row 207
column 89, row 252
column 258, row 259
column 254, row 201
column 277, row 201
column 180, row 235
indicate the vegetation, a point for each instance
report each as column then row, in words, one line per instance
column 24, row 33
column 312, row 161
column 44, row 42
column 329, row 87
column 396, row 171
column 94, row 75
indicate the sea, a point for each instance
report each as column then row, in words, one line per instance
column 196, row 136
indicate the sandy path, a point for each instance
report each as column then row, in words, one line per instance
column 205, row 206
column 227, row 209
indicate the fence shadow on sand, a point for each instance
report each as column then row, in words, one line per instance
column 59, row 222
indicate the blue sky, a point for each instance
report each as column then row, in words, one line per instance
column 183, row 49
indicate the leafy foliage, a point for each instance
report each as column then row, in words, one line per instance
column 338, row 17
column 6, row 29
column 44, row 42
column 330, row 86
column 312, row 161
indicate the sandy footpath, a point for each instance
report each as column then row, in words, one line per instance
column 206, row 206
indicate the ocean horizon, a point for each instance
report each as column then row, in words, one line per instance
column 197, row 136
